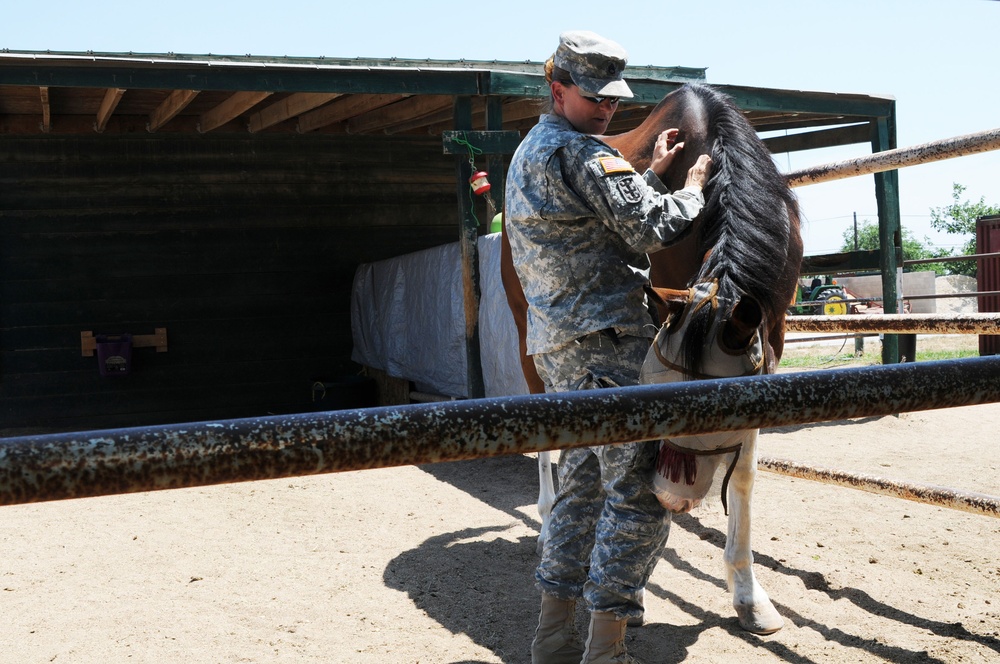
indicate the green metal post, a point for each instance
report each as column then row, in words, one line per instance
column 890, row 236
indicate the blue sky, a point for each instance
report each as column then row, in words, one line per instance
column 938, row 59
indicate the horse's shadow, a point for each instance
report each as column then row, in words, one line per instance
column 483, row 586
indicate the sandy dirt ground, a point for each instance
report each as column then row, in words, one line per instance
column 434, row 564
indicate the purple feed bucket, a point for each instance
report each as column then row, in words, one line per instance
column 114, row 354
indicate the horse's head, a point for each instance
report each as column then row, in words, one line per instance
column 705, row 335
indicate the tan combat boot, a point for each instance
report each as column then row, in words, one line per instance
column 606, row 641
column 556, row 640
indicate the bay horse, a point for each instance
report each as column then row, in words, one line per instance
column 725, row 286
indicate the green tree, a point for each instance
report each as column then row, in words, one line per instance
column 960, row 218
column 913, row 249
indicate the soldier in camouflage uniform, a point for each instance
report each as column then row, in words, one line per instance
column 580, row 220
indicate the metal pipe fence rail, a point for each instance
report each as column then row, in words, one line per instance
column 889, row 160
column 951, row 259
column 982, row 323
column 945, row 296
column 966, row 501
column 83, row 464
column 826, row 337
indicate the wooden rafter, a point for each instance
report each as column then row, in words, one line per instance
column 343, row 109
column 108, row 105
column 46, row 111
column 522, row 110
column 176, row 102
column 234, row 106
column 289, row 107
column 442, row 116
column 403, row 111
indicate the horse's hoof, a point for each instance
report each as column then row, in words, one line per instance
column 760, row 619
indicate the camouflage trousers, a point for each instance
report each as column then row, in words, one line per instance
column 607, row 529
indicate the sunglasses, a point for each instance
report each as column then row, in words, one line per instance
column 598, row 100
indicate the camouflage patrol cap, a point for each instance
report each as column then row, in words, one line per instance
column 595, row 64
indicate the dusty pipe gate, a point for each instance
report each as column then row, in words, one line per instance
column 981, row 323
column 966, row 501
column 83, row 464
column 887, row 160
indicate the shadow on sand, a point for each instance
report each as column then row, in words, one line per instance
column 479, row 582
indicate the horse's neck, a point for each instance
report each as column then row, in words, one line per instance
column 681, row 110
column 635, row 145
column 672, row 267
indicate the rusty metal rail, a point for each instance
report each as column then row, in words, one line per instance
column 82, row 464
column 966, row 501
column 984, row 323
column 888, row 160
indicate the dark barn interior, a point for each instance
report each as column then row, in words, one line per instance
column 216, row 209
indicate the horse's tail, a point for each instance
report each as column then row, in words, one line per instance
column 746, row 222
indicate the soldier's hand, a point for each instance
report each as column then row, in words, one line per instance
column 699, row 173
column 664, row 150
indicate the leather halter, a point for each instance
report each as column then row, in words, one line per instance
column 712, row 300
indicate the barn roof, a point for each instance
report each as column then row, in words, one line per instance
column 92, row 93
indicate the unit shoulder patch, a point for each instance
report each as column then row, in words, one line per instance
column 629, row 190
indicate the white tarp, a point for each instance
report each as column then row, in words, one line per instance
column 408, row 320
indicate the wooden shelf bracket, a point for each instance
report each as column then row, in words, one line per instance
column 158, row 340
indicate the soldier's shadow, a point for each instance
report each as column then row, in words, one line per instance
column 476, row 582
column 480, row 581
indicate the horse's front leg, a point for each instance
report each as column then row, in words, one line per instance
column 546, row 497
column 753, row 607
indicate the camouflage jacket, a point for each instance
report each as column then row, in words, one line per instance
column 580, row 220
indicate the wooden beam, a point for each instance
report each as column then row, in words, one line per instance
column 815, row 140
column 175, row 102
column 522, row 110
column 46, row 111
column 289, row 107
column 489, row 142
column 343, row 109
column 439, row 118
column 406, row 110
column 157, row 340
column 108, row 105
column 234, row 106
column 519, row 115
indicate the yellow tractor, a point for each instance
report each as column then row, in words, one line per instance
column 820, row 297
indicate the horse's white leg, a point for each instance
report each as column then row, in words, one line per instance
column 546, row 496
column 753, row 607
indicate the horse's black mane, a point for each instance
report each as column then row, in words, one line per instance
column 744, row 222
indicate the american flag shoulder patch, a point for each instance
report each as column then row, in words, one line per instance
column 615, row 165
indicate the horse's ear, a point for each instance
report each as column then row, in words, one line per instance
column 742, row 325
column 668, row 301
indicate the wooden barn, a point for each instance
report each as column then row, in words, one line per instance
column 215, row 209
